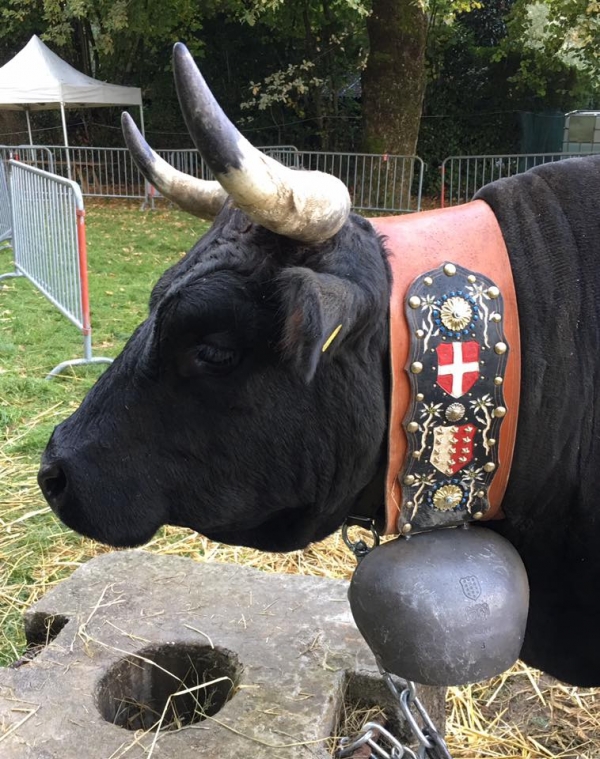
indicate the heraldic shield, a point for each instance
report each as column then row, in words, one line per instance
column 452, row 447
column 458, row 367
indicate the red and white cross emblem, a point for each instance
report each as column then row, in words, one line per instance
column 458, row 367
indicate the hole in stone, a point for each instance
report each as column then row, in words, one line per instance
column 40, row 630
column 366, row 699
column 138, row 691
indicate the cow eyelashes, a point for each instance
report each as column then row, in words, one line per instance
column 207, row 358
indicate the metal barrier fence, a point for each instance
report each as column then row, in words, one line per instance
column 100, row 172
column 191, row 162
column 5, row 213
column 463, row 176
column 377, row 183
column 39, row 156
column 388, row 183
column 111, row 172
column 49, row 245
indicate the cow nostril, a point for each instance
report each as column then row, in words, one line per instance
column 52, row 481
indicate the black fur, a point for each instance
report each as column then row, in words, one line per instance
column 268, row 450
column 550, row 219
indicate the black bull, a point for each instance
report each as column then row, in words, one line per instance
column 207, row 419
column 223, row 414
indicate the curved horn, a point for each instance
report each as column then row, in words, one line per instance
column 306, row 205
column 196, row 196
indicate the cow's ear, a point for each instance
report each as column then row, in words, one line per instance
column 319, row 312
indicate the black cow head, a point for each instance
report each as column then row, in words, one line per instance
column 250, row 405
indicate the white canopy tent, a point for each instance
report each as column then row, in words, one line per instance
column 37, row 79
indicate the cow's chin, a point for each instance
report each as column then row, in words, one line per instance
column 113, row 534
column 259, row 540
column 283, row 532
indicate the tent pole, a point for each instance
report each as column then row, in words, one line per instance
column 64, row 125
column 28, row 126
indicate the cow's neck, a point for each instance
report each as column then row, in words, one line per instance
column 469, row 237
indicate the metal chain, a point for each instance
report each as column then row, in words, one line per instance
column 367, row 736
column 431, row 745
column 430, row 740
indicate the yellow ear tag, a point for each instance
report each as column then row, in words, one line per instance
column 331, row 338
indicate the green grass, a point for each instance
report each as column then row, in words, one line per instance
column 127, row 251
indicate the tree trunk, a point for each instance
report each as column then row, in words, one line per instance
column 393, row 82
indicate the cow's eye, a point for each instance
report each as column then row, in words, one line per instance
column 208, row 358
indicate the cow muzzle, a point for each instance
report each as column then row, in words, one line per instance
column 53, row 484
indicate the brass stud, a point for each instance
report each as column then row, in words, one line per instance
column 412, row 426
column 414, row 301
column 472, row 279
column 480, row 494
column 420, row 397
column 499, row 412
column 492, row 441
column 420, row 333
column 493, row 292
column 498, row 380
column 449, row 270
column 428, row 281
column 409, row 479
column 500, row 348
column 406, row 528
column 454, row 412
column 416, row 367
column 477, row 514
column 496, row 317
column 416, row 455
column 489, row 466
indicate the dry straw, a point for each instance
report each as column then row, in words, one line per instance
column 521, row 714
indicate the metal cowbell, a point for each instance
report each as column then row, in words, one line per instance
column 446, row 607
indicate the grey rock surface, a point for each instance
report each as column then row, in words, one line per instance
column 129, row 628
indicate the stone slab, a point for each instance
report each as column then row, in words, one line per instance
column 291, row 639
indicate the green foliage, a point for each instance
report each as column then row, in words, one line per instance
column 107, row 24
column 286, row 86
column 126, row 42
column 291, row 72
column 317, row 52
column 495, row 68
column 460, row 62
column 286, row 62
column 557, row 43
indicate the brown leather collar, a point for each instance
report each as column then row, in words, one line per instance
column 470, row 236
